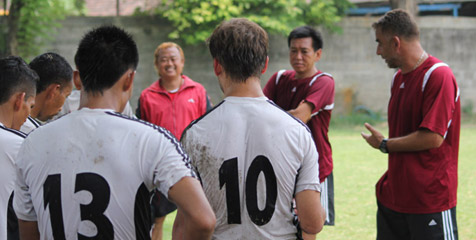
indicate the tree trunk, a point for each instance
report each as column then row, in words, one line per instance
column 409, row 5
column 13, row 22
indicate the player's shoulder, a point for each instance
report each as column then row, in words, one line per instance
column 136, row 124
column 287, row 118
column 208, row 116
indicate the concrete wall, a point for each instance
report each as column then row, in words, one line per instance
column 362, row 77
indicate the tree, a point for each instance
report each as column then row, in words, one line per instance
column 30, row 23
column 194, row 20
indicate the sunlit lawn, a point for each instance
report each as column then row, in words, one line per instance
column 357, row 168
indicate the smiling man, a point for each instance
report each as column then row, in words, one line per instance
column 171, row 102
column 308, row 94
column 54, row 86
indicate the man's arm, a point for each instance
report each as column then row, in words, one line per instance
column 303, row 111
column 310, row 211
column 28, row 230
column 419, row 140
column 194, row 211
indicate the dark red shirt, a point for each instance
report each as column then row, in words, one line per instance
column 425, row 181
column 288, row 92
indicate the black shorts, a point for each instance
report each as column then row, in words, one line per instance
column 393, row 225
column 327, row 199
column 160, row 205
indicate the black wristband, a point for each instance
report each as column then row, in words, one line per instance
column 383, row 146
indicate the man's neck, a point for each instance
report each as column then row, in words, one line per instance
column 6, row 116
column 307, row 74
column 250, row 88
column 107, row 100
column 171, row 84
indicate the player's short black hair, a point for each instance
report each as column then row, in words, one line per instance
column 52, row 69
column 104, row 54
column 305, row 32
column 241, row 47
column 398, row 22
column 16, row 76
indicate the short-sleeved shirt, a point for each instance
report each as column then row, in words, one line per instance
column 10, row 142
column 252, row 157
column 94, row 169
column 288, row 92
column 424, row 181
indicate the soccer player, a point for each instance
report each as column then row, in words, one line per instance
column 172, row 102
column 252, row 156
column 17, row 96
column 55, row 85
column 416, row 196
column 308, row 94
column 94, row 180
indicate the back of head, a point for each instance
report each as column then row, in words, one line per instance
column 16, row 76
column 305, row 32
column 104, row 54
column 52, row 69
column 241, row 47
column 398, row 22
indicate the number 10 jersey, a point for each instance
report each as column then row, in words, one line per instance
column 252, row 157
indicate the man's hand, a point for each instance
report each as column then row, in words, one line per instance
column 374, row 138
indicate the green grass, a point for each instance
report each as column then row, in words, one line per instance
column 357, row 167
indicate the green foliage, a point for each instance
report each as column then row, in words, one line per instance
column 38, row 18
column 194, row 20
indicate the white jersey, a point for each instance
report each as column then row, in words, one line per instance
column 72, row 104
column 252, row 157
column 10, row 141
column 30, row 125
column 90, row 173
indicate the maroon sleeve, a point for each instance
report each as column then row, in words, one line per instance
column 439, row 100
column 321, row 93
column 270, row 87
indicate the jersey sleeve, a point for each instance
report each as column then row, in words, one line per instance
column 321, row 93
column 170, row 162
column 22, row 201
column 308, row 175
column 270, row 88
column 440, row 96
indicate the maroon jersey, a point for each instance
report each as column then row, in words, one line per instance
column 287, row 92
column 424, row 181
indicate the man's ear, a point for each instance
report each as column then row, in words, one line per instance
column 19, row 101
column 217, row 68
column 77, row 80
column 128, row 82
column 52, row 91
column 265, row 66
column 318, row 55
column 396, row 41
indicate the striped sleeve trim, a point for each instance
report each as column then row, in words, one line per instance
column 299, row 121
column 167, row 134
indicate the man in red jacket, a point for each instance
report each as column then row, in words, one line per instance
column 171, row 102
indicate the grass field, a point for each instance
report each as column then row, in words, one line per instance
column 357, row 167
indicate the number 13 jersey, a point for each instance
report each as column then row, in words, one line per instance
column 252, row 157
column 89, row 174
